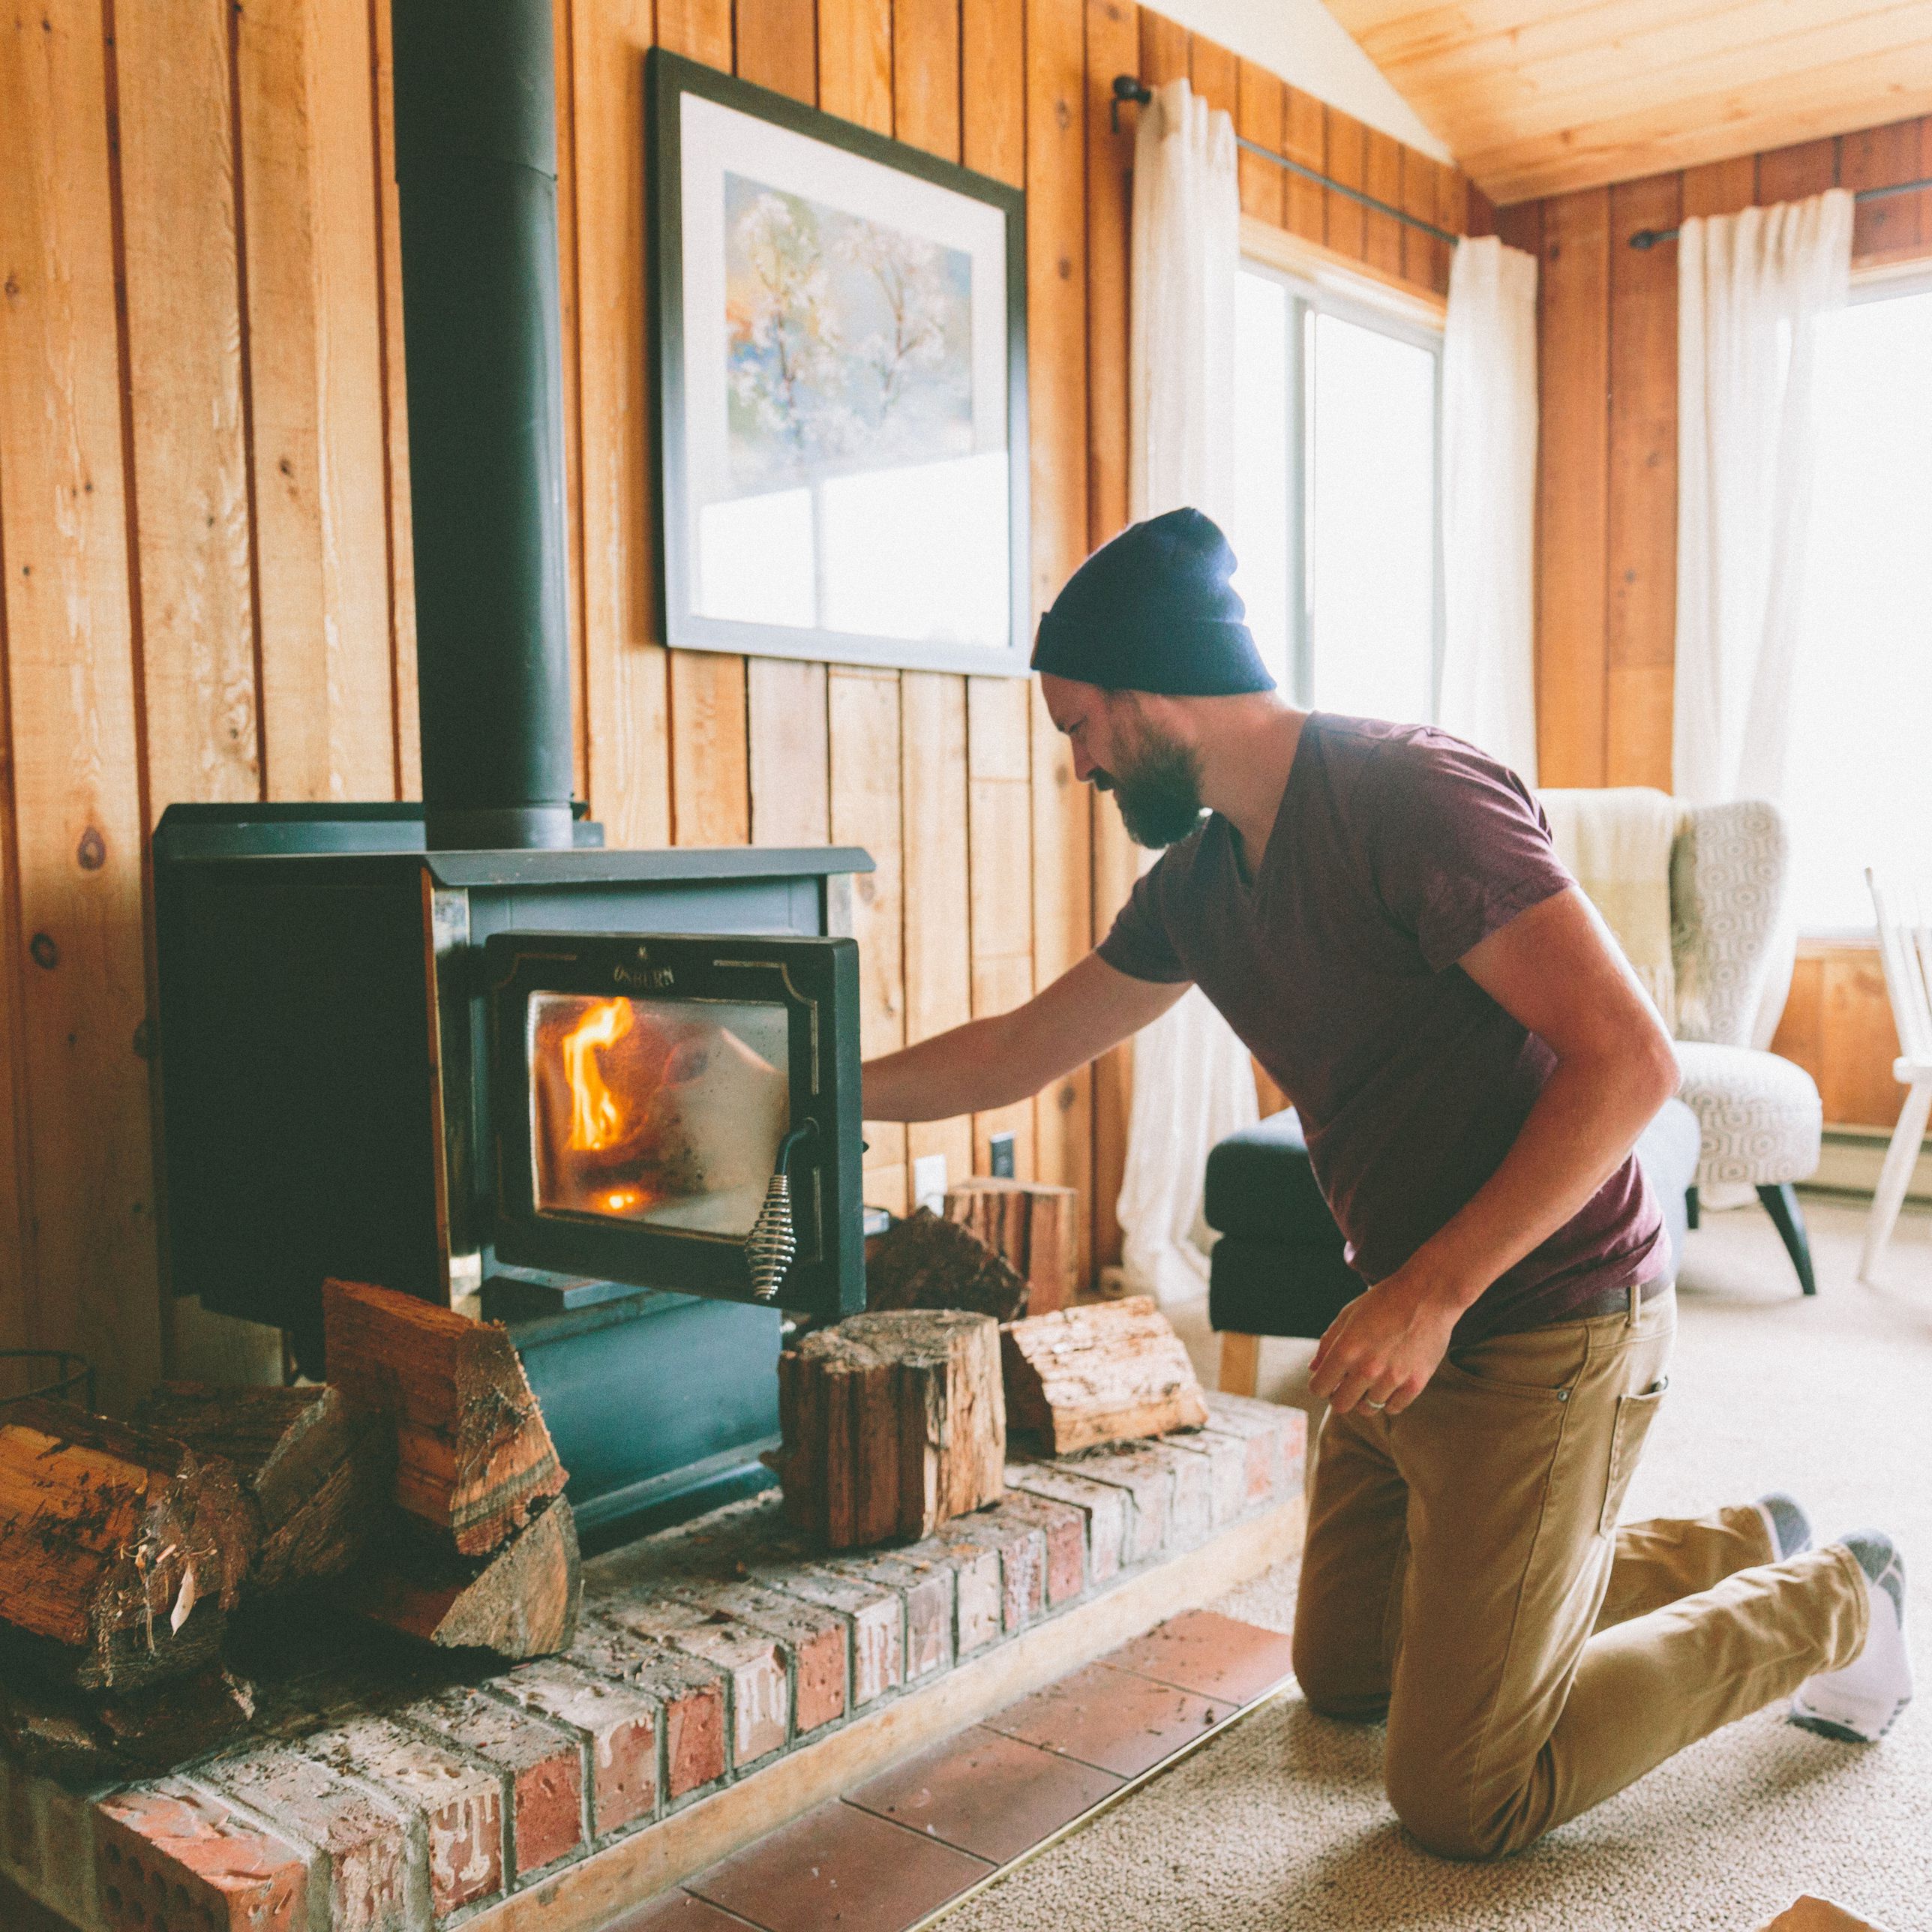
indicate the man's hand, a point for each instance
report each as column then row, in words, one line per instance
column 1556, row 970
column 1384, row 1346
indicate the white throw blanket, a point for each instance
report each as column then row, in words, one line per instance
column 1618, row 841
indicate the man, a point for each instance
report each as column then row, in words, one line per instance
column 1377, row 910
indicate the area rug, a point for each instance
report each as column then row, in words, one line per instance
column 1282, row 1823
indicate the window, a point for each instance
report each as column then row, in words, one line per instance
column 1335, row 520
column 1860, row 773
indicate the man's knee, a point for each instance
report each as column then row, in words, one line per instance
column 1439, row 1815
column 1335, row 1682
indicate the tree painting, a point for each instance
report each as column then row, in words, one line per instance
column 848, row 342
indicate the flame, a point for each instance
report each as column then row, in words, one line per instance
column 621, row 1200
column 597, row 1116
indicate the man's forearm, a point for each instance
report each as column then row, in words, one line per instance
column 1584, row 1121
column 968, row 1070
column 1006, row 1056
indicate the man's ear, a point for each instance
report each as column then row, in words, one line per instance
column 1170, row 718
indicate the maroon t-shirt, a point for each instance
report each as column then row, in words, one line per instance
column 1396, row 850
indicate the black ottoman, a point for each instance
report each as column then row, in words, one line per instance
column 1277, row 1269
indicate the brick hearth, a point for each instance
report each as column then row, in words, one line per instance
column 726, row 1679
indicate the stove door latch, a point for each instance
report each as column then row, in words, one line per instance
column 772, row 1243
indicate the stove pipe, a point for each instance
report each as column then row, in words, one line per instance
column 475, row 104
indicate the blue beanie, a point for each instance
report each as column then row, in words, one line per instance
column 1153, row 611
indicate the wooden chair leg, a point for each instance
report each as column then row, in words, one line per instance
column 1240, row 1363
column 1901, row 1158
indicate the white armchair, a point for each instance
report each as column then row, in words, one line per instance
column 1761, row 1118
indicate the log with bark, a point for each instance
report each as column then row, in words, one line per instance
column 315, row 1469
column 82, row 1739
column 121, row 1551
column 892, row 1423
column 1105, row 1372
column 925, row 1261
column 165, row 1724
column 473, row 1458
column 1033, row 1228
column 519, row 1602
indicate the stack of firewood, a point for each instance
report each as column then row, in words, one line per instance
column 420, row 1488
column 479, row 1550
column 1003, row 1248
column 897, row 1420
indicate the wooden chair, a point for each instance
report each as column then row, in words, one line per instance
column 1905, row 941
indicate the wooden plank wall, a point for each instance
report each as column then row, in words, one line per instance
column 1837, row 1025
column 1607, row 501
column 204, row 547
column 1606, row 540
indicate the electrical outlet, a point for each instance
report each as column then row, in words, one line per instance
column 1000, row 1156
column 929, row 1182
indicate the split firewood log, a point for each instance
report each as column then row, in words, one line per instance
column 473, row 1458
column 49, row 1728
column 925, row 1261
column 82, row 1739
column 521, row 1602
column 121, row 1551
column 315, row 1468
column 1104, row 1372
column 892, row 1423
column 166, row 1724
column 1033, row 1228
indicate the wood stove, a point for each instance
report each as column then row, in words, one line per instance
column 366, row 1049
column 458, row 1048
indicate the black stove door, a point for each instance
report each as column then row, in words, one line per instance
column 679, row 1111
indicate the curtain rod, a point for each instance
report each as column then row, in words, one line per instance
column 1127, row 87
column 1648, row 237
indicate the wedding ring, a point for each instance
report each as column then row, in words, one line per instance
column 1368, row 1401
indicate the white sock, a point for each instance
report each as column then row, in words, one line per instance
column 1860, row 1703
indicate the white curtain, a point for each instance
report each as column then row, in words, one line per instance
column 1489, row 502
column 1193, row 1082
column 1751, row 289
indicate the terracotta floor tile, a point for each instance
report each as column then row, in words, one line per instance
column 987, row 1794
column 678, row 1911
column 1122, row 1722
column 1211, row 1655
column 838, row 1867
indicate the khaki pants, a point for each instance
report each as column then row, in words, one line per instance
column 1464, row 1573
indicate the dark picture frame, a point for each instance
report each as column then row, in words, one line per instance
column 830, row 502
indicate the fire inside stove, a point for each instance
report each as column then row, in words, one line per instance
column 660, row 1110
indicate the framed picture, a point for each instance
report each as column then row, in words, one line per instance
column 841, row 376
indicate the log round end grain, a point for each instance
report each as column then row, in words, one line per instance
column 892, row 1422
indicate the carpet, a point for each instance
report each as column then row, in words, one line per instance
column 1281, row 1822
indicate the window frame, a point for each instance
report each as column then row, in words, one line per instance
column 1367, row 305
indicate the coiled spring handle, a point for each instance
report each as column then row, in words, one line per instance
column 771, row 1245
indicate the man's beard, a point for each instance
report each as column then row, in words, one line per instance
column 1158, row 791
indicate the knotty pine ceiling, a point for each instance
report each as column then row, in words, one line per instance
column 1535, row 96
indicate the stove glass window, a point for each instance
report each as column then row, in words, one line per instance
column 665, row 1111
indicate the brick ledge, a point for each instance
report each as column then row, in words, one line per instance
column 628, row 1872
column 730, row 1679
